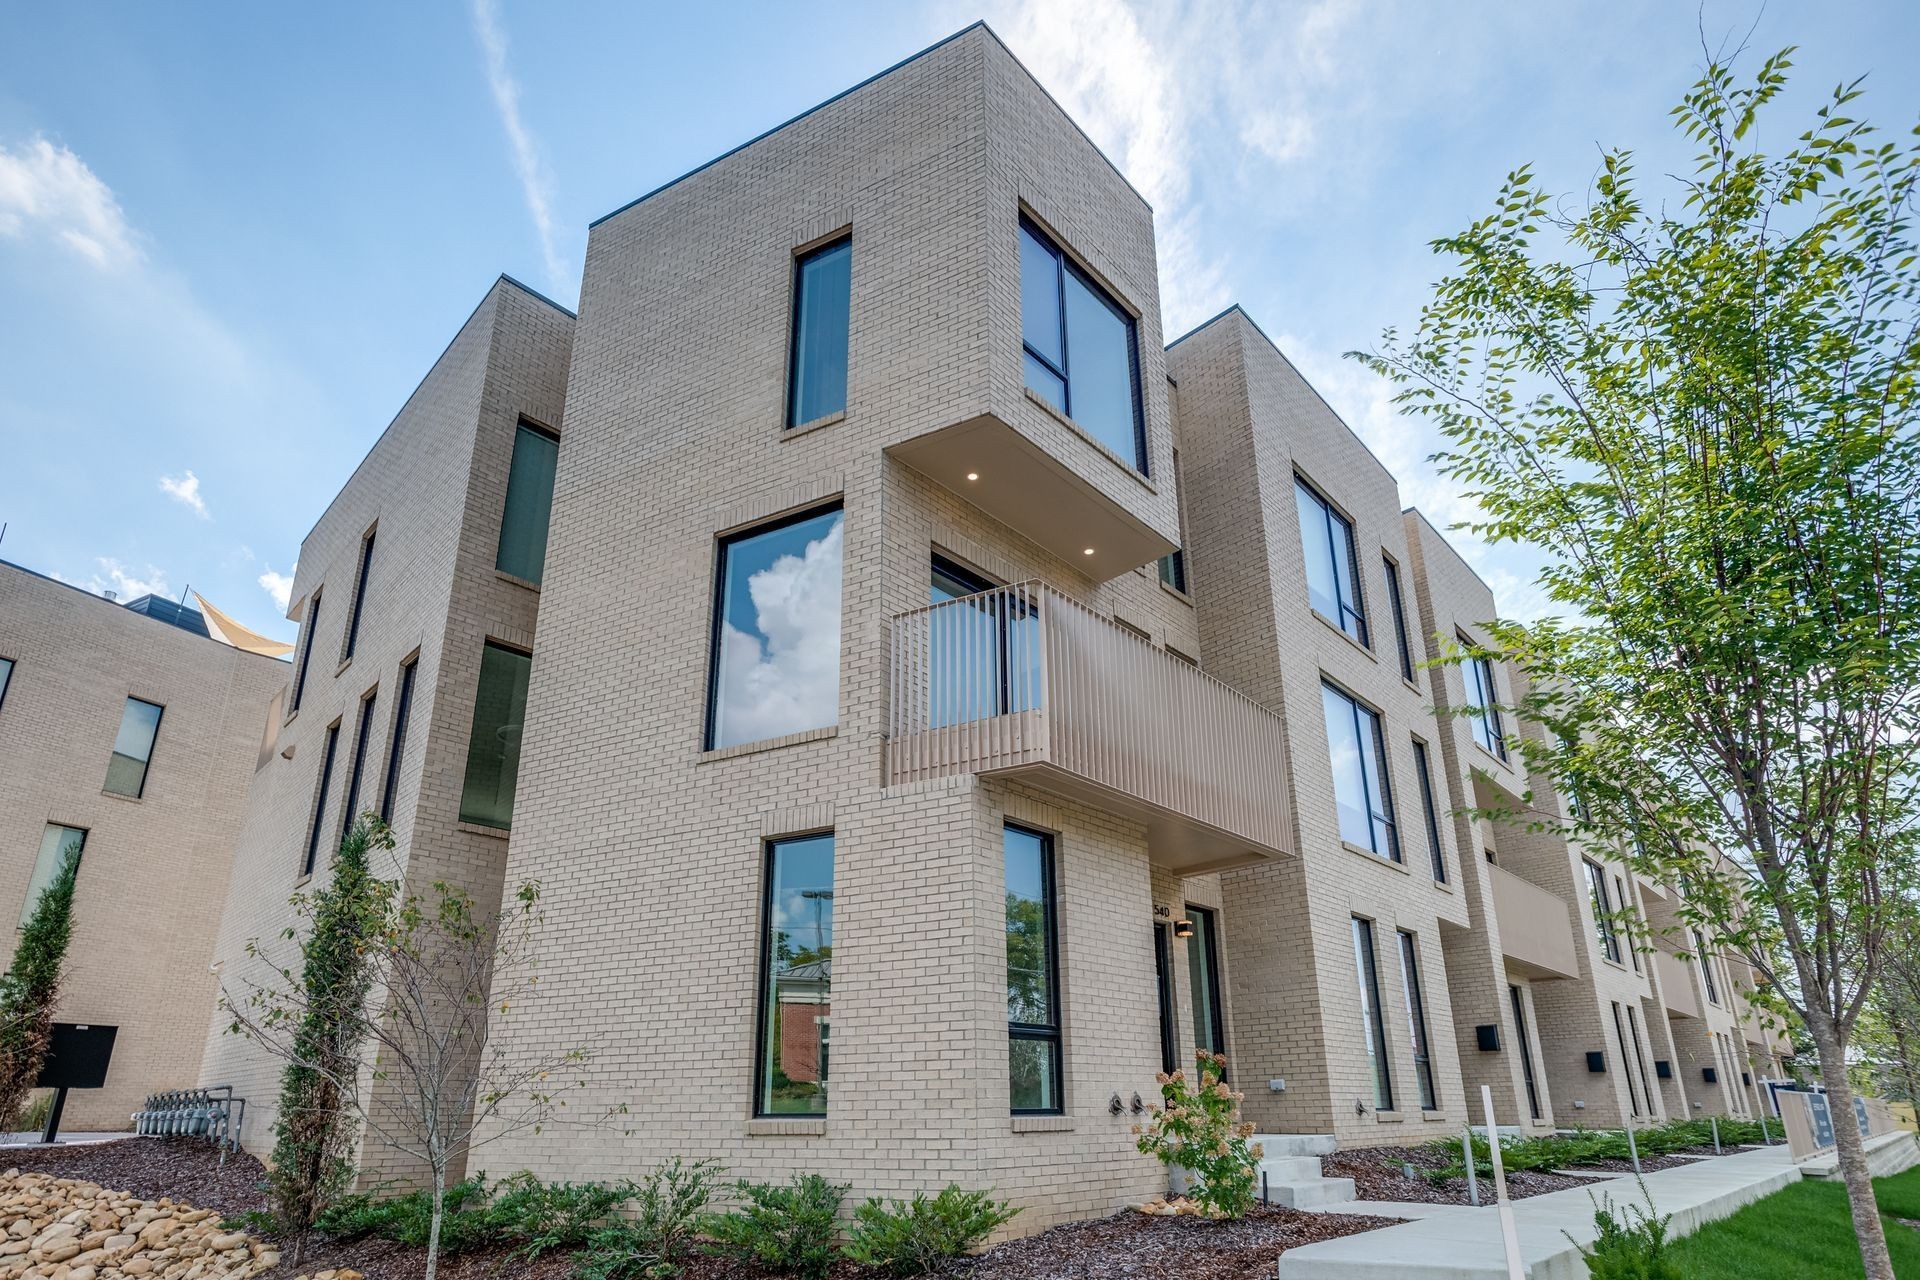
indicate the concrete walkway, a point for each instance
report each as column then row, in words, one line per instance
column 1465, row 1244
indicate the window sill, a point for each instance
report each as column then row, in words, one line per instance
column 115, row 795
column 474, row 828
column 1611, row 962
column 1336, row 628
column 767, row 744
column 1494, row 756
column 1174, row 591
column 1118, row 461
column 1435, row 1114
column 1389, row 1117
column 1371, row 856
column 342, row 667
column 528, row 583
column 1413, row 685
column 788, row 433
column 798, row 1127
column 1043, row 1124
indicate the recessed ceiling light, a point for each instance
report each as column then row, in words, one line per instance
column 973, row 475
column 1087, row 552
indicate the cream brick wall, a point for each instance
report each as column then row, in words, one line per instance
column 143, row 934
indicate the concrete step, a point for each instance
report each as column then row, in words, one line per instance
column 1279, row 1145
column 1291, row 1168
column 1311, row 1194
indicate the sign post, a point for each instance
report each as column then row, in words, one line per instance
column 1516, row 1270
column 77, row 1058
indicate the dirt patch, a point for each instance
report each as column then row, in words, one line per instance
column 188, row 1170
column 1379, row 1173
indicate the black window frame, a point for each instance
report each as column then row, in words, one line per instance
column 1363, row 633
column 1049, row 1034
column 1626, row 1068
column 541, row 429
column 1416, row 997
column 397, row 744
column 1064, row 265
column 356, row 771
column 351, row 640
column 800, row 261
column 1172, row 568
column 467, row 759
column 1399, row 609
column 306, row 651
column 1632, row 947
column 1394, row 852
column 1163, row 982
column 1601, row 898
column 1366, row 948
column 764, row 987
column 1209, row 921
column 1639, row 1056
column 1489, row 728
column 146, row 766
column 1523, row 1045
column 13, row 665
column 318, row 822
column 1423, row 765
column 1706, row 967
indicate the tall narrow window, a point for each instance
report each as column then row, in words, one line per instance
column 1626, row 1066
column 1203, row 981
column 796, row 984
column 359, row 598
column 822, row 314
column 1602, row 911
column 1079, row 348
column 6, row 678
column 1523, row 1045
column 1417, row 1020
column 133, row 748
column 357, row 768
column 1173, row 569
column 1333, row 574
column 1706, row 965
column 775, row 664
column 1399, row 609
column 1626, row 921
column 1484, row 697
column 397, row 750
column 1373, row 1021
column 56, row 843
column 493, row 748
column 1430, row 811
column 306, row 650
column 1163, row 980
column 523, row 524
column 1361, row 793
column 1033, row 987
column 1639, row 1055
column 319, row 822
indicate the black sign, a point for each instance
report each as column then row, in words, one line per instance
column 77, row 1056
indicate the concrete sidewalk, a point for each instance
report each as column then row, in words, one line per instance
column 1466, row 1244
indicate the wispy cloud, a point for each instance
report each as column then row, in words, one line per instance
column 126, row 582
column 185, row 489
column 279, row 586
column 47, row 190
column 536, row 183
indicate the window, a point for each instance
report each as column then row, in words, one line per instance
column 1417, row 1020
column 1639, row 1055
column 6, row 678
column 1333, row 575
column 523, row 525
column 775, row 658
column 359, row 598
column 1033, row 988
column 1483, row 695
column 1173, row 569
column 985, row 652
column 320, row 798
column 1079, row 346
column 350, row 810
column 133, row 748
column 1360, row 790
column 1523, row 1045
column 1620, row 896
column 822, row 313
column 1373, row 1023
column 1626, row 1068
column 306, row 652
column 796, row 984
column 1203, row 981
column 1429, row 811
column 1706, row 965
column 1602, row 911
column 402, row 708
column 56, row 844
column 493, row 748
column 1399, row 616
column 1163, row 981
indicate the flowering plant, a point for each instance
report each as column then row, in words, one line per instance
column 1198, row 1129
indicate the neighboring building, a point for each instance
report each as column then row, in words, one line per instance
column 128, row 732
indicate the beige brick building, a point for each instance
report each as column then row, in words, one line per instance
column 127, row 730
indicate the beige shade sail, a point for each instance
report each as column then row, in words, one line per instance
column 227, row 630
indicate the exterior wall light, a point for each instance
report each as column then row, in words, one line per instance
column 1183, row 928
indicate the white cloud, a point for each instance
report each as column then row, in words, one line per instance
column 279, row 586
column 791, row 682
column 47, row 189
column 535, row 182
column 127, row 583
column 185, row 489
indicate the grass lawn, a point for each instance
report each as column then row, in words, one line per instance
column 1805, row 1232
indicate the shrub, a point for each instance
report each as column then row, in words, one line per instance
column 911, row 1238
column 1632, row 1245
column 669, row 1209
column 408, row 1219
column 30, row 988
column 789, row 1229
column 539, row 1216
column 1199, row 1130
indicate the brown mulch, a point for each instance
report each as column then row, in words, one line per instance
column 1648, row 1164
column 1126, row 1246
column 1378, row 1174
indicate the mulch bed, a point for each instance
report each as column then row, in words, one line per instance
column 1126, row 1246
column 1648, row 1164
column 1378, row 1174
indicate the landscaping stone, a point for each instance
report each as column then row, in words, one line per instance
column 69, row 1229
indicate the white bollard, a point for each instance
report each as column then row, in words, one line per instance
column 1516, row 1270
column 1633, row 1149
column 1473, row 1170
column 1716, row 1134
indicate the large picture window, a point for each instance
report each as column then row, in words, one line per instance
column 822, row 314
column 796, row 986
column 133, row 748
column 493, row 747
column 776, row 631
column 1361, row 793
column 56, row 842
column 1033, row 987
column 529, row 509
column 1078, row 348
column 1333, row 574
column 1373, row 1019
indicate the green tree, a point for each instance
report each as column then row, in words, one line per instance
column 1702, row 406
column 31, row 986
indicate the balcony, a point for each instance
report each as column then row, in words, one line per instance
column 1536, row 933
column 1676, row 984
column 1022, row 682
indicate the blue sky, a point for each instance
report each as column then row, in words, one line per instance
column 233, row 237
